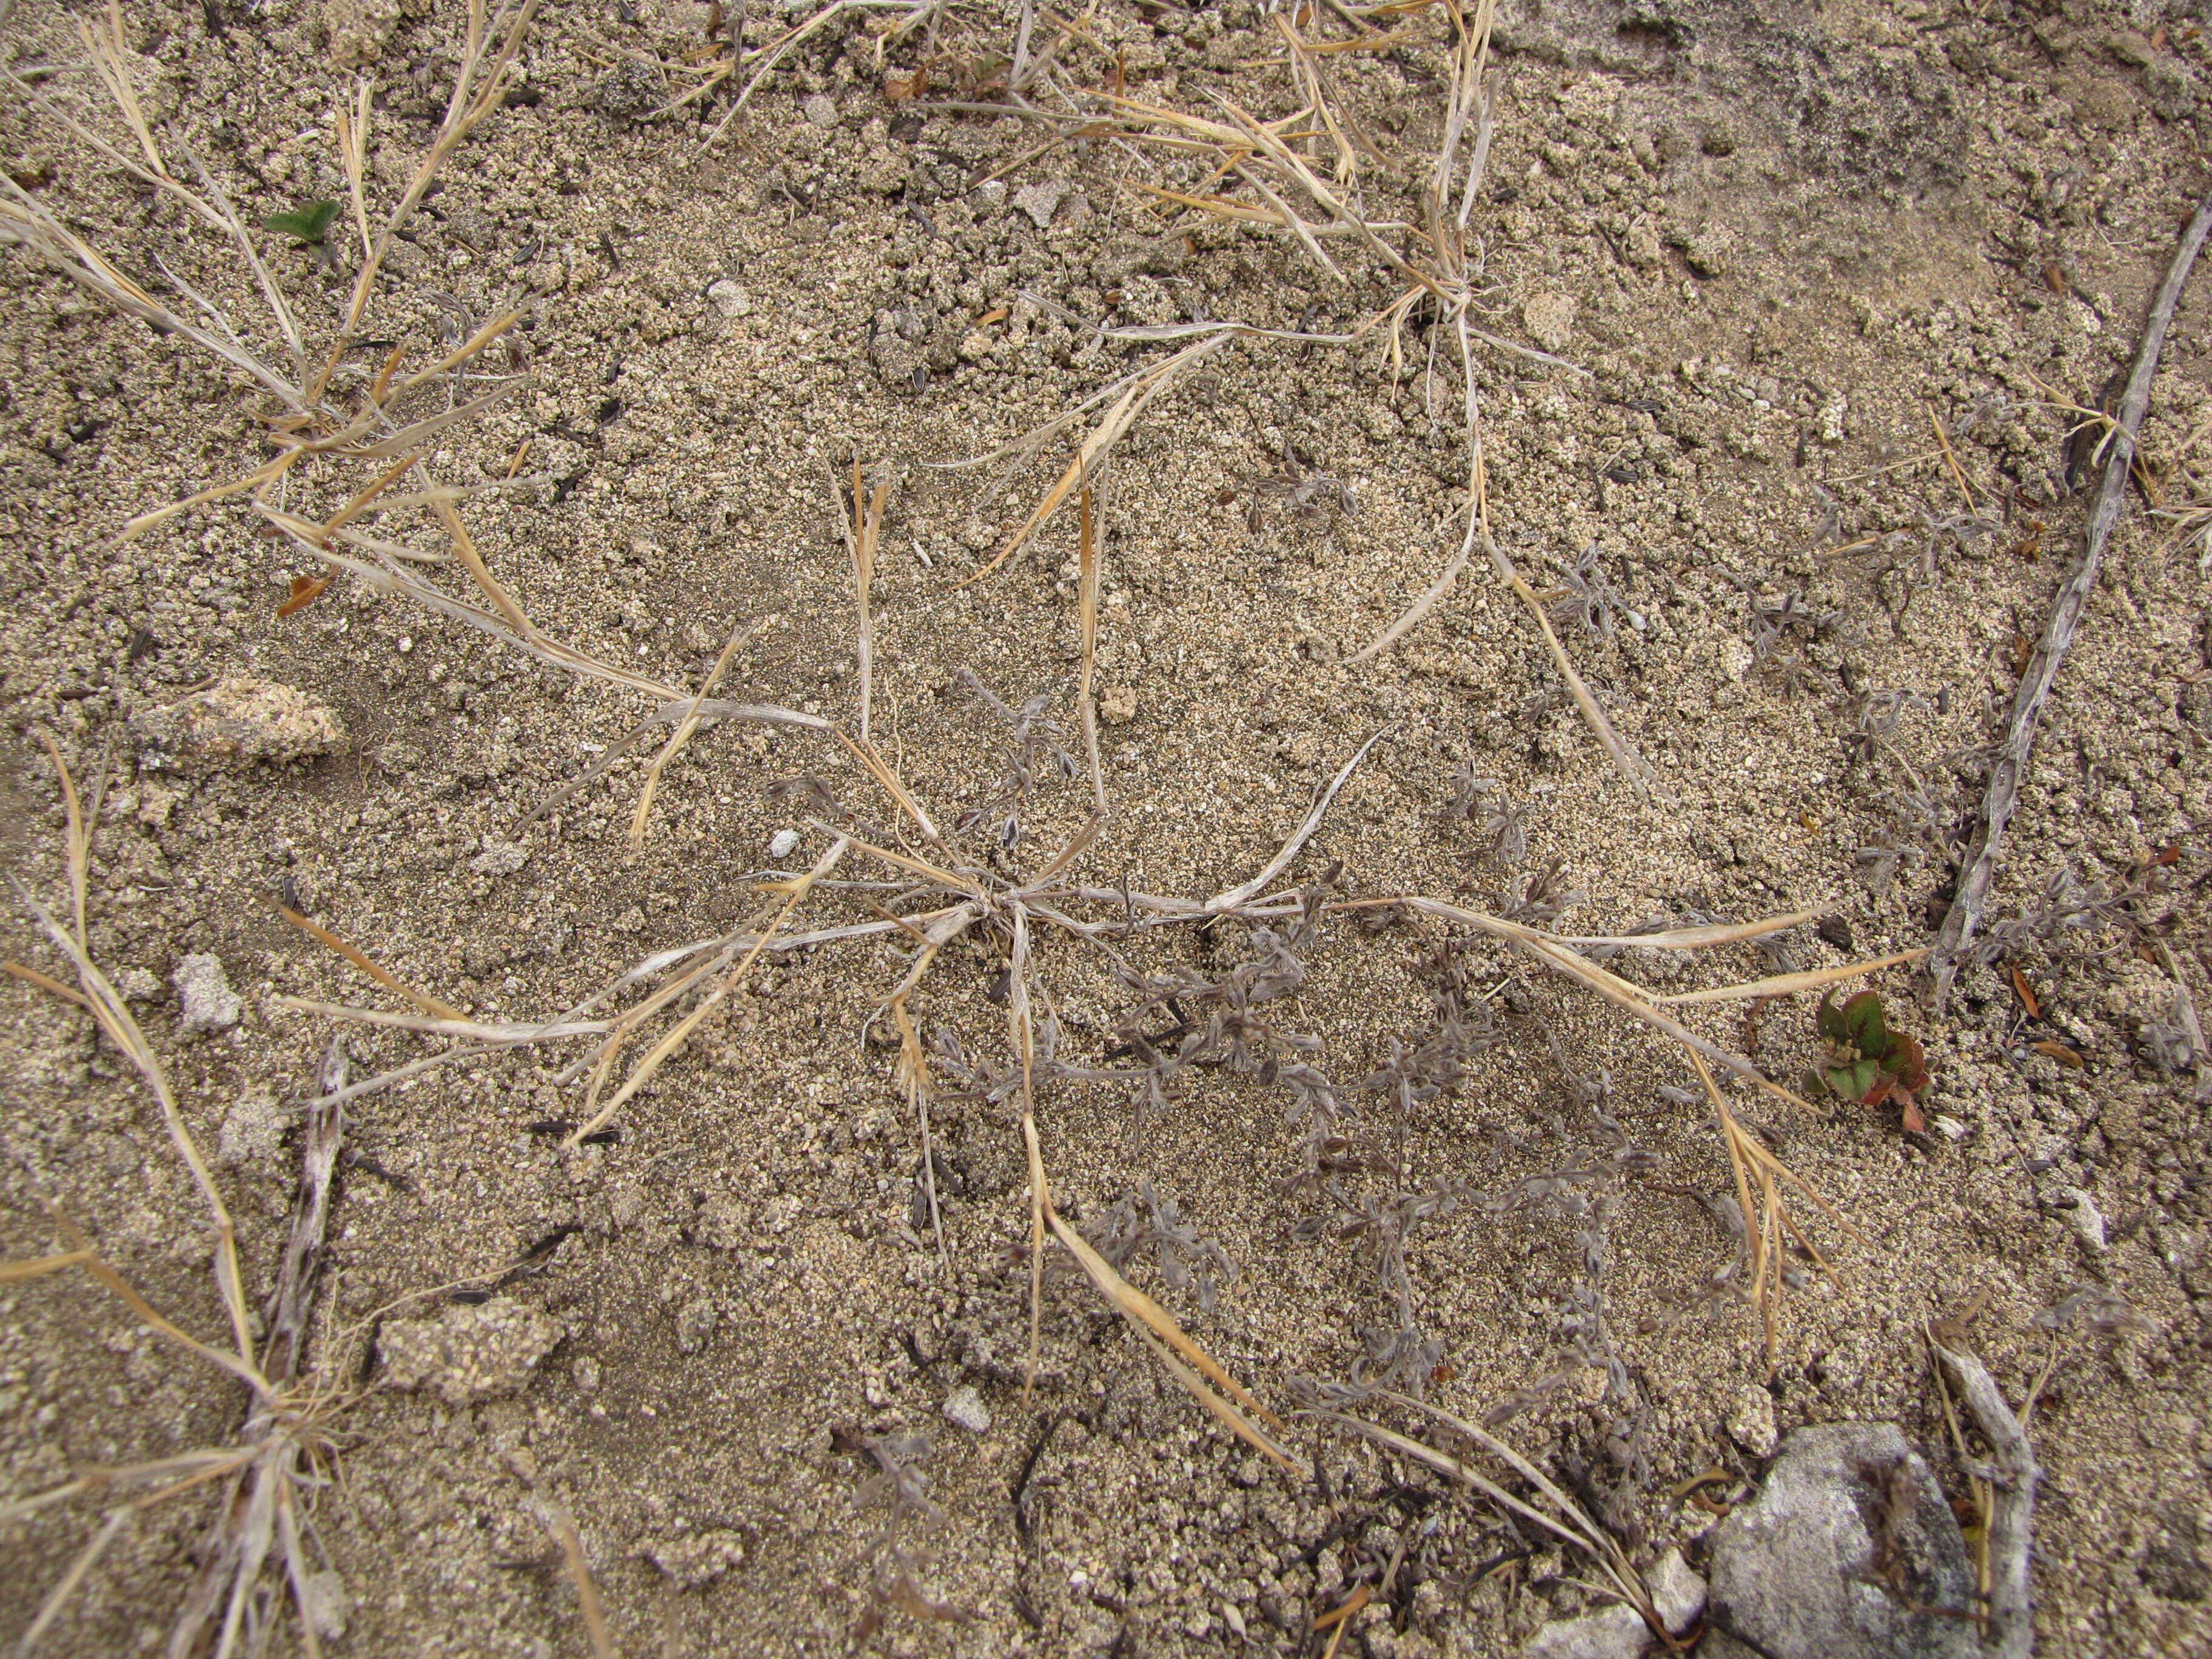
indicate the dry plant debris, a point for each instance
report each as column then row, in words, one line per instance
column 931, row 873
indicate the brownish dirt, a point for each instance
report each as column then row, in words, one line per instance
column 1779, row 246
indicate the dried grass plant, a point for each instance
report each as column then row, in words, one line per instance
column 345, row 437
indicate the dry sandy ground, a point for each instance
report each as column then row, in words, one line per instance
column 1780, row 249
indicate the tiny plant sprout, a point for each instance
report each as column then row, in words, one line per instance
column 1869, row 1063
column 306, row 224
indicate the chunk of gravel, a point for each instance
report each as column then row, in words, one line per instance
column 233, row 724
column 632, row 90
column 499, row 857
column 695, row 1562
column 469, row 1353
column 1797, row 1573
column 964, row 1408
column 253, row 1130
column 783, row 843
column 1041, row 198
column 207, row 1003
column 137, row 985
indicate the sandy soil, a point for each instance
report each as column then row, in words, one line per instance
column 1780, row 249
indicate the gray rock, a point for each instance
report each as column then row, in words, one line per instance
column 233, row 724
column 729, row 300
column 783, row 843
column 697, row 1559
column 208, row 1003
column 137, row 985
column 1615, row 1632
column 253, row 1130
column 1678, row 1594
column 1041, row 198
column 1806, row 1570
column 820, row 112
column 1550, row 320
column 1711, row 250
column 329, row 1606
column 499, row 857
column 964, row 1408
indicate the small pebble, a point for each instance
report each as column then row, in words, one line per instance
column 964, row 1408
column 1041, row 199
column 1550, row 320
column 136, row 985
column 499, row 857
column 727, row 298
column 208, row 1003
column 234, row 724
column 2088, row 1220
column 1678, row 1593
column 253, row 1130
column 820, row 111
column 783, row 843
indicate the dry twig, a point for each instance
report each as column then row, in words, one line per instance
column 2002, row 797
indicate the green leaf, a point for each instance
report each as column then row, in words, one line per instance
column 306, row 222
column 1855, row 1082
column 1907, row 1061
column 1831, row 1019
column 1862, row 1023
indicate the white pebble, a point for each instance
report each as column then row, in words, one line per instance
column 964, row 1408
column 204, row 989
column 783, row 843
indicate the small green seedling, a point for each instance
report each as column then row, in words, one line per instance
column 305, row 223
column 1869, row 1063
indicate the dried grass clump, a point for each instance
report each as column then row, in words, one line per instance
column 287, row 1442
column 345, row 437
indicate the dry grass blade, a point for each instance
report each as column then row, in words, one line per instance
column 271, row 295
column 86, row 1559
column 892, row 785
column 1763, row 1223
column 684, row 728
column 74, row 257
column 1190, row 1364
column 113, row 1016
column 429, row 1004
column 13, row 1272
column 110, row 54
column 593, row 1610
column 1633, row 766
column 1478, row 515
column 476, row 93
column 1245, row 891
column 795, row 892
column 1789, row 985
column 1024, row 1039
column 527, row 638
column 862, row 529
column 240, row 1367
column 1139, row 392
column 1710, row 933
column 706, row 708
column 1089, row 571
